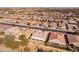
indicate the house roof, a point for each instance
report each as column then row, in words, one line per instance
column 4, row 27
column 57, row 37
column 39, row 35
column 71, row 38
column 13, row 30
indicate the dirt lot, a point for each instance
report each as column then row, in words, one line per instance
column 33, row 46
column 3, row 48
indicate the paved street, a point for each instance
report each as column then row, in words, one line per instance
column 40, row 28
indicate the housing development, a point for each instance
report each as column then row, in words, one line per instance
column 39, row 29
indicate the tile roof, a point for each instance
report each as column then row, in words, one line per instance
column 57, row 37
column 71, row 38
column 39, row 35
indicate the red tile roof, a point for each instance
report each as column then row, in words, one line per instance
column 57, row 36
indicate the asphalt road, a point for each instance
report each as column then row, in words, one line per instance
column 40, row 28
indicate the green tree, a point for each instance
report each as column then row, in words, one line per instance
column 23, row 39
column 15, row 45
column 10, row 41
column 1, row 40
column 76, row 32
column 2, row 33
